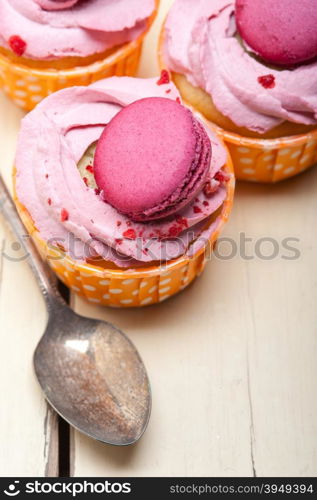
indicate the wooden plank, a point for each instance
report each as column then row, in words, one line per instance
column 194, row 380
column 28, row 428
column 231, row 359
column 282, row 345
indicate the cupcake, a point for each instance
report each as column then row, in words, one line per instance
column 47, row 45
column 250, row 68
column 122, row 189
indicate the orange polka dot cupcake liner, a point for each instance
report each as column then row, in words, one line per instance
column 128, row 287
column 27, row 86
column 270, row 160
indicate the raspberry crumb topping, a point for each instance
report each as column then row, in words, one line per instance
column 49, row 201
column 206, row 203
column 97, row 191
column 64, row 215
column 90, row 169
column 85, row 180
column 173, row 231
column 197, row 210
column 164, row 78
column 182, row 221
column 118, row 241
column 46, row 176
column 17, row 45
column 130, row 234
column 168, row 91
column 267, row 81
column 211, row 187
column 222, row 176
column 178, row 100
column 119, row 223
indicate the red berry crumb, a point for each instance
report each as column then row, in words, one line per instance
column 129, row 223
column 49, row 201
column 178, row 100
column 64, row 215
column 17, row 45
column 182, row 221
column 118, row 241
column 211, row 187
column 168, row 91
column 197, row 210
column 90, row 169
column 119, row 223
column 85, row 180
column 267, row 81
column 173, row 231
column 97, row 191
column 222, row 176
column 46, row 176
column 130, row 234
column 206, row 203
column 164, row 78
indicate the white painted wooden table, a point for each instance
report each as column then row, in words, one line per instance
column 232, row 360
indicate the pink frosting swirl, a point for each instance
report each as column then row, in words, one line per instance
column 211, row 56
column 52, row 140
column 55, row 29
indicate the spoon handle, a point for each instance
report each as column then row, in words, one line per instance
column 41, row 270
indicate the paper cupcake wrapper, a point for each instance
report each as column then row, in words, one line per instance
column 28, row 86
column 126, row 287
column 270, row 160
column 263, row 160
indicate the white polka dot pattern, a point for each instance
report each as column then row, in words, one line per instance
column 129, row 292
column 271, row 160
column 122, row 291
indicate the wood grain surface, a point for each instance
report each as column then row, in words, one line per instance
column 232, row 360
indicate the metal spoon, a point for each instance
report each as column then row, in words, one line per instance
column 89, row 371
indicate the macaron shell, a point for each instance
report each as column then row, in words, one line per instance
column 145, row 154
column 280, row 31
column 56, row 4
column 192, row 184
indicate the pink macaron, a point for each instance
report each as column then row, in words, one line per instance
column 152, row 159
column 282, row 32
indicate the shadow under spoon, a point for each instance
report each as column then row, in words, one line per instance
column 89, row 371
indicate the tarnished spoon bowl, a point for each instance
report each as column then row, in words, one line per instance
column 93, row 376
